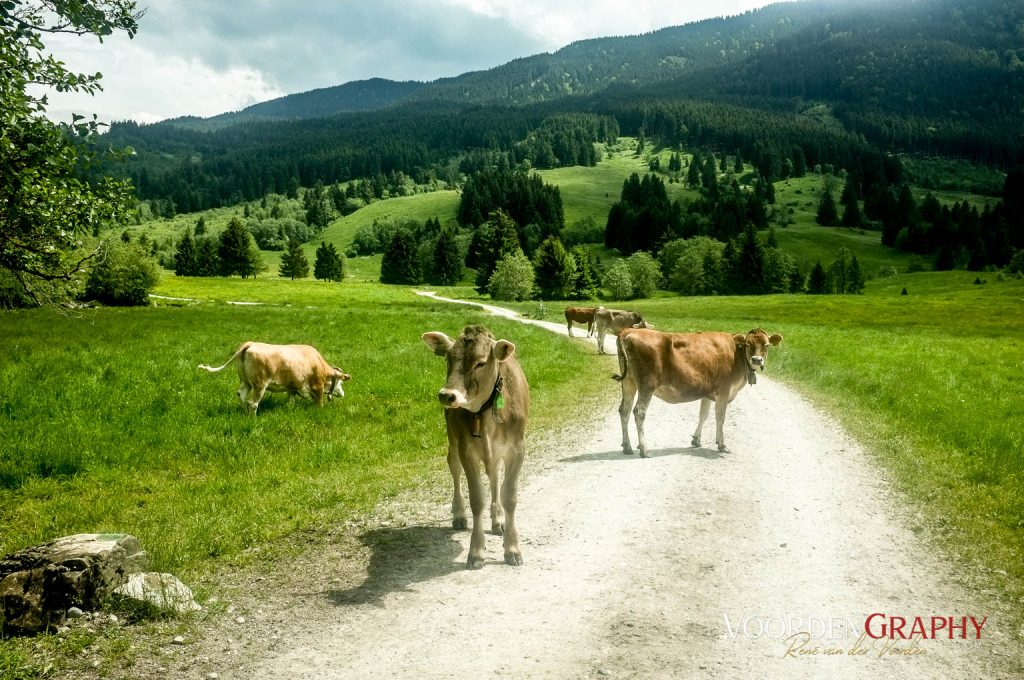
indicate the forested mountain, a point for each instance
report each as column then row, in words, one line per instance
column 822, row 81
column 358, row 95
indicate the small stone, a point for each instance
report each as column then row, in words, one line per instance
column 75, row 613
column 178, row 640
column 113, row 618
column 212, row 676
column 603, row 671
column 62, row 630
column 240, row 619
column 782, row 545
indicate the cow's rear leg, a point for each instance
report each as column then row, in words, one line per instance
column 625, row 407
column 640, row 414
column 497, row 513
column 458, row 502
column 705, row 409
column 568, row 325
column 509, row 499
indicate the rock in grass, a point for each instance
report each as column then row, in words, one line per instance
column 163, row 591
column 39, row 585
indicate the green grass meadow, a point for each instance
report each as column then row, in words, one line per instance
column 109, row 426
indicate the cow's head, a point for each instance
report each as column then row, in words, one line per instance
column 640, row 322
column 338, row 376
column 473, row 360
column 754, row 346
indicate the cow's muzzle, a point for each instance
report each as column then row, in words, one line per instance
column 449, row 398
column 757, row 362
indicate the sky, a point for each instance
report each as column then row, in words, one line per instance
column 204, row 57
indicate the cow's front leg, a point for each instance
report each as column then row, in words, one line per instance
column 569, row 326
column 705, row 409
column 254, row 398
column 640, row 414
column 600, row 342
column 497, row 514
column 458, row 502
column 509, row 498
column 476, row 504
column 720, row 405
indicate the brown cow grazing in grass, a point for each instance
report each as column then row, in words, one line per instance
column 681, row 367
column 581, row 315
column 486, row 402
column 295, row 369
column 614, row 321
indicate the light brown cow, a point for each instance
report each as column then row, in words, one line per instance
column 486, row 402
column 581, row 315
column 614, row 321
column 295, row 369
column 681, row 367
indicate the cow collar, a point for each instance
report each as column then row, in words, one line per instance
column 495, row 400
column 751, row 376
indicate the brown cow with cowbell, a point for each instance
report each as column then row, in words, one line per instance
column 486, row 402
column 682, row 367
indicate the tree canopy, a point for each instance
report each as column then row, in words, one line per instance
column 48, row 211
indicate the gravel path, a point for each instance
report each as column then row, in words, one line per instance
column 690, row 564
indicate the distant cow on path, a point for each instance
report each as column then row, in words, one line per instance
column 581, row 315
column 615, row 320
column 682, row 367
column 298, row 370
column 486, row 402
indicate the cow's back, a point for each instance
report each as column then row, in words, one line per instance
column 678, row 366
column 289, row 366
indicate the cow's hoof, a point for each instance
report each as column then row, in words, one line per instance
column 459, row 523
column 475, row 563
column 498, row 528
column 695, row 442
column 722, row 448
column 513, row 559
column 644, row 454
column 627, row 451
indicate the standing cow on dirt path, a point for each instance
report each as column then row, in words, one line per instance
column 614, row 321
column 486, row 402
column 682, row 367
column 581, row 315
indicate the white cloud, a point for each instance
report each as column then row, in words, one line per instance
column 143, row 86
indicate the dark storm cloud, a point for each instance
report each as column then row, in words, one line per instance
column 304, row 45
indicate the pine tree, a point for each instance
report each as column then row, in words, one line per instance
column 554, row 270
column 237, row 251
column 200, row 226
column 709, row 176
column 400, row 263
column 447, row 262
column 584, row 286
column 328, row 266
column 186, row 257
column 693, row 173
column 827, row 215
column 817, row 282
column 294, row 264
column 855, row 278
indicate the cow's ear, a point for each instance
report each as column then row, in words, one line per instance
column 775, row 339
column 740, row 339
column 342, row 375
column 503, row 349
column 438, row 342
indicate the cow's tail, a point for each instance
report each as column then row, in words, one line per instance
column 239, row 351
column 623, row 365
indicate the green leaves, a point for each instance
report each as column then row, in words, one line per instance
column 47, row 210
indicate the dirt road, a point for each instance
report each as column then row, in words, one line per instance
column 690, row 564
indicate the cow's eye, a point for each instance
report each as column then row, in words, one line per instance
column 480, row 364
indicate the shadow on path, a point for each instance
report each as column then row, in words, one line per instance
column 694, row 452
column 401, row 557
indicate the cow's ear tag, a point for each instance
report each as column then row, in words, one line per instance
column 500, row 401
